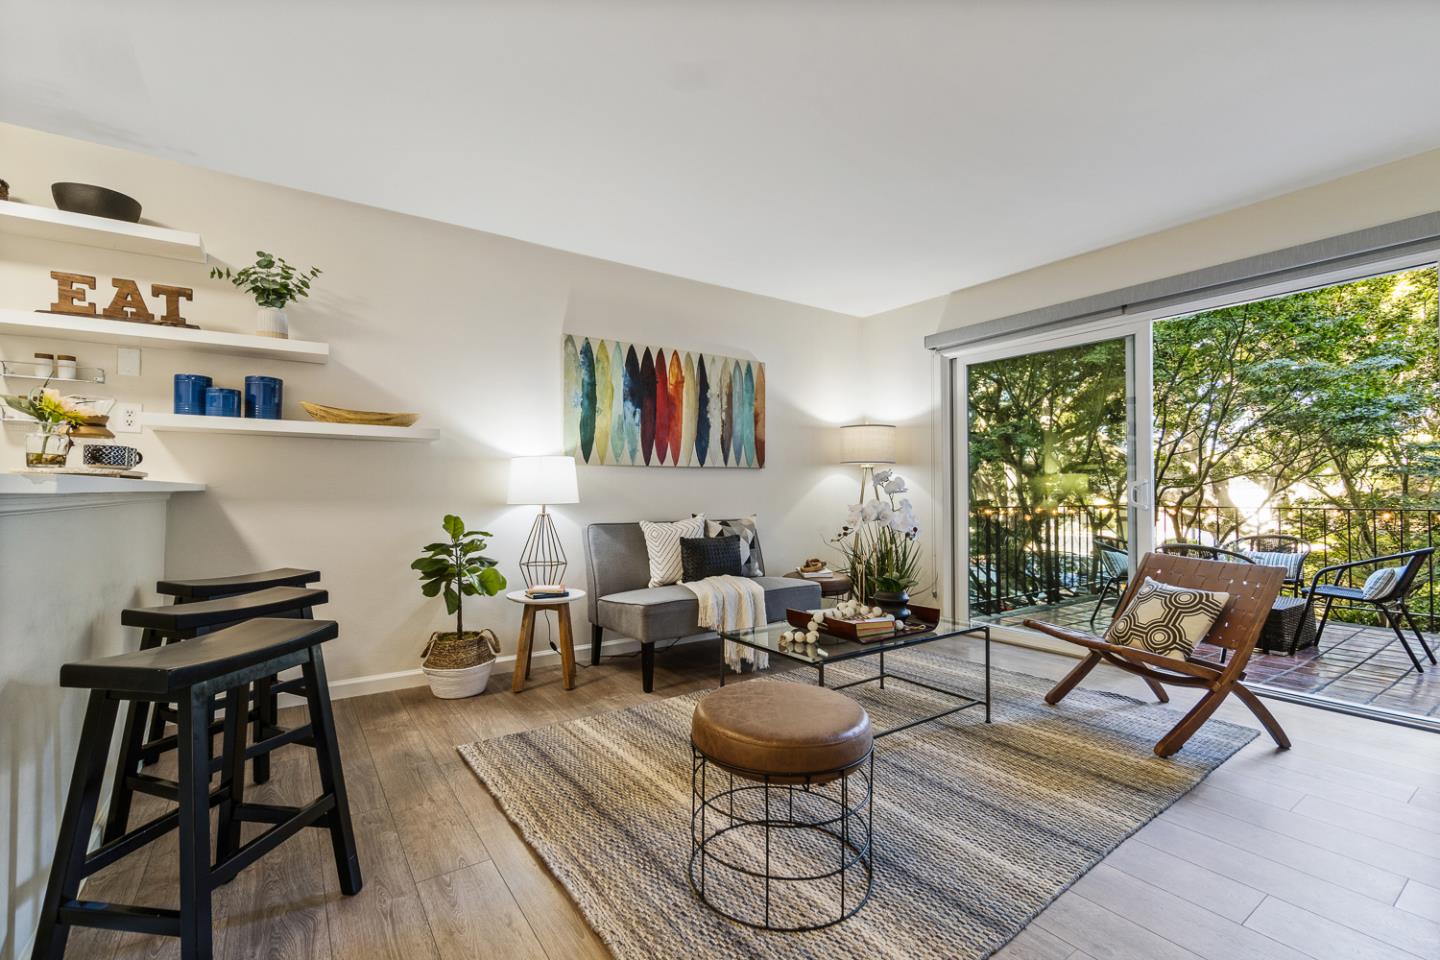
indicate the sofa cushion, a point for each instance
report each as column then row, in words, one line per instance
column 665, row 613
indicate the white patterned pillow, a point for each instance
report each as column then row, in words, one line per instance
column 1381, row 582
column 1167, row 620
column 662, row 543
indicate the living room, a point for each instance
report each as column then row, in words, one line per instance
column 662, row 324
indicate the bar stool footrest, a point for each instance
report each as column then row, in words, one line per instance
column 253, row 850
column 119, row 916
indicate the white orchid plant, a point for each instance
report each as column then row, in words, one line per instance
column 879, row 539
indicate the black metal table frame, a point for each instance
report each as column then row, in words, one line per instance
column 964, row 701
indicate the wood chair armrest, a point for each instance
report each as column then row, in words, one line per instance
column 1134, row 654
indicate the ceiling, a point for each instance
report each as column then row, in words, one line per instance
column 855, row 156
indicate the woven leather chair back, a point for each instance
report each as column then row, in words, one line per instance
column 1252, row 588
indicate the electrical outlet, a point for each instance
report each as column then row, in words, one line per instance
column 125, row 418
column 127, row 362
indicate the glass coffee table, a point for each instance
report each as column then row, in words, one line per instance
column 838, row 650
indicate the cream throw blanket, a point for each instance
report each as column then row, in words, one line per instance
column 732, row 603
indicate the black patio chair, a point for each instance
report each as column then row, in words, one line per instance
column 1112, row 557
column 1276, row 550
column 1390, row 605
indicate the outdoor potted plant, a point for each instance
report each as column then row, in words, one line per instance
column 458, row 664
column 273, row 283
column 879, row 544
column 49, row 444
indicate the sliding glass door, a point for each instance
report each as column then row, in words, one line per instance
column 1050, row 461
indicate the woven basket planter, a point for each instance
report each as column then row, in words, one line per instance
column 459, row 666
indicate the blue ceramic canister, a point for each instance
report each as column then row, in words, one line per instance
column 222, row 402
column 263, row 396
column 190, row 393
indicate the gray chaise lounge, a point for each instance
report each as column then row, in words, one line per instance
column 617, row 573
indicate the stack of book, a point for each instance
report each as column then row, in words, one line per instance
column 547, row 591
column 866, row 627
column 823, row 574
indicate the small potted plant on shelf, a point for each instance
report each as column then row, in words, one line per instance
column 879, row 544
column 273, row 283
column 49, row 445
column 458, row 664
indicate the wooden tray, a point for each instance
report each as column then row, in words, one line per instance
column 921, row 620
column 324, row 414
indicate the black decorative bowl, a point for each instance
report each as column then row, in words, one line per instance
column 96, row 201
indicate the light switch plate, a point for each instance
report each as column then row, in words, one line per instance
column 125, row 418
column 127, row 362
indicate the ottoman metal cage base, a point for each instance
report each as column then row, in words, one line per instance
column 841, row 816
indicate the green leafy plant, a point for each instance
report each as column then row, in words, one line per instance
column 271, row 281
column 47, row 406
column 456, row 569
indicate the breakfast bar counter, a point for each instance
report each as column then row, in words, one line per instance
column 74, row 551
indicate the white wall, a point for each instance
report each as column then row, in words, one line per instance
column 1381, row 195
column 464, row 328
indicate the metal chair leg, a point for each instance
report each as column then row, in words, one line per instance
column 1393, row 620
column 1410, row 619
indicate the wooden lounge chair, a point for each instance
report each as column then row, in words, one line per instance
column 1252, row 588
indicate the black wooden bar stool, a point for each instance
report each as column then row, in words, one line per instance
column 189, row 591
column 170, row 624
column 192, row 674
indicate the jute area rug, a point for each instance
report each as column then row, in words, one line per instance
column 977, row 827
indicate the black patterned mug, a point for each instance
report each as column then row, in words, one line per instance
column 116, row 456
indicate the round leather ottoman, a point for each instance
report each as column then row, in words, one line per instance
column 795, row 823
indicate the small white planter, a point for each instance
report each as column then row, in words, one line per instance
column 272, row 322
column 456, row 684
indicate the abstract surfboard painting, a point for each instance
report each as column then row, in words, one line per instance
column 630, row 404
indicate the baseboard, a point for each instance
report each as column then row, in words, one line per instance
column 401, row 679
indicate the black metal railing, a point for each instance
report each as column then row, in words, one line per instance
column 1023, row 558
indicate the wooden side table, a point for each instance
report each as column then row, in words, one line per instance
column 830, row 587
column 561, row 607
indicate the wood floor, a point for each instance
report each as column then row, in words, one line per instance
column 1331, row 850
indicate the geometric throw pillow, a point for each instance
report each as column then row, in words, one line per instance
column 744, row 531
column 702, row 557
column 662, row 543
column 1381, row 582
column 1166, row 620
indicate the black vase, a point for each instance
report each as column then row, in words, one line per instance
column 893, row 602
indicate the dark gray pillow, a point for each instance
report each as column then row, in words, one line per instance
column 702, row 557
column 744, row 530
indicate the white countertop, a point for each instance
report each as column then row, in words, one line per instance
column 67, row 484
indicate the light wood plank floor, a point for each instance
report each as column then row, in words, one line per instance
column 1331, row 850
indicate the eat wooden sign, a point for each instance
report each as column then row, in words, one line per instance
column 127, row 304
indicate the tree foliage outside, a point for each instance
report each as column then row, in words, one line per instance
column 1326, row 398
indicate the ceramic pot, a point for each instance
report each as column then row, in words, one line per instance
column 893, row 602
column 272, row 322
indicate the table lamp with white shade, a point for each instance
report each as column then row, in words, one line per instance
column 543, row 481
column 868, row 445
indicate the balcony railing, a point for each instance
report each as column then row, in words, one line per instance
column 1027, row 557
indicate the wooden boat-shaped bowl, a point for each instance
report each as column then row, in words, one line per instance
column 318, row 411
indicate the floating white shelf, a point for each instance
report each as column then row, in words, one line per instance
column 55, row 326
column 46, row 223
column 21, row 370
column 285, row 428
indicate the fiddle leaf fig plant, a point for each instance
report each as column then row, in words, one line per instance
column 456, row 569
column 270, row 280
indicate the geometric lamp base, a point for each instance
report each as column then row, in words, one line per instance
column 543, row 560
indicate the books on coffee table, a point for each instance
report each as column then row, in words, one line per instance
column 547, row 591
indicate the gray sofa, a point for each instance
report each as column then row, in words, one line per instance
column 617, row 574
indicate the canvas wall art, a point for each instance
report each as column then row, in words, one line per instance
column 632, row 405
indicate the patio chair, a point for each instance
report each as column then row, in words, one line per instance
column 1390, row 604
column 1252, row 589
column 1289, row 621
column 1113, row 560
column 1277, row 550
